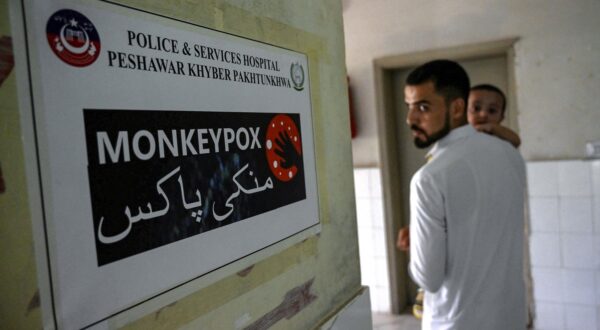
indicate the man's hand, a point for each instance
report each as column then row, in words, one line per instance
column 403, row 242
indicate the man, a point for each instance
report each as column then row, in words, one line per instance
column 466, row 208
column 487, row 105
column 485, row 112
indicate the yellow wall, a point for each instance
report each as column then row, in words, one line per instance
column 330, row 258
column 19, row 305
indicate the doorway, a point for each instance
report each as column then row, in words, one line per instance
column 490, row 62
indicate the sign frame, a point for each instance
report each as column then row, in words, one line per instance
column 37, row 159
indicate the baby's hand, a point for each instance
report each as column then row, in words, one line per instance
column 485, row 128
column 499, row 131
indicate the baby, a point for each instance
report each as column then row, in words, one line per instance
column 485, row 112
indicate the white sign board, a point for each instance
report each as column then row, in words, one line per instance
column 166, row 150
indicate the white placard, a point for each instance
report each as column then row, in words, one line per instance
column 166, row 150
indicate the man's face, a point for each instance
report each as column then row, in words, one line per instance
column 427, row 116
column 484, row 107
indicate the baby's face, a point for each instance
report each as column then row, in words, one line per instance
column 484, row 107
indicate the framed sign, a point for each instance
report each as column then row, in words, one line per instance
column 165, row 151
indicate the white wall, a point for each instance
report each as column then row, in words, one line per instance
column 557, row 61
column 371, row 237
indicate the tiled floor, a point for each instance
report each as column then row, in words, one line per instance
column 382, row 321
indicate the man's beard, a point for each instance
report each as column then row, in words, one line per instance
column 429, row 140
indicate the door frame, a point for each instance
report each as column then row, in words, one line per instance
column 387, row 122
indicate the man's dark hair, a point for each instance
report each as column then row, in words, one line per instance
column 448, row 77
column 492, row 88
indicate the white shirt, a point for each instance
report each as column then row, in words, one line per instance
column 466, row 233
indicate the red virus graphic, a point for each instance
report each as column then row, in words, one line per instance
column 73, row 38
column 283, row 148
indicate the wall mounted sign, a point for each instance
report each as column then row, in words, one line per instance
column 166, row 150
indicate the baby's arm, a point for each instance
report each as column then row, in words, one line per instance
column 500, row 131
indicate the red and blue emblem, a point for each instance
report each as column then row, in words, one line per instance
column 73, row 38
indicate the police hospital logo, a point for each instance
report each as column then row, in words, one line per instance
column 73, row 38
column 157, row 177
column 297, row 75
